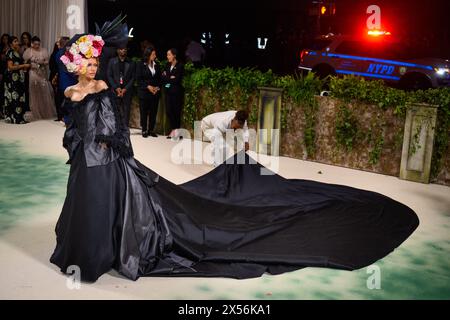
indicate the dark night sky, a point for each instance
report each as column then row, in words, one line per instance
column 166, row 23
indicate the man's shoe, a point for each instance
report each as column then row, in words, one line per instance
column 151, row 133
column 145, row 134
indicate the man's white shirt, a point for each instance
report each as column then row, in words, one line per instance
column 220, row 122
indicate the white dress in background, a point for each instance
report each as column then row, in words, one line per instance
column 42, row 103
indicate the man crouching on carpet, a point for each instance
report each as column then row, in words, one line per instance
column 215, row 126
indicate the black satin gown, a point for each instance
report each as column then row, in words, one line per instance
column 232, row 222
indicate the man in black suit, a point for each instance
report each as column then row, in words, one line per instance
column 121, row 75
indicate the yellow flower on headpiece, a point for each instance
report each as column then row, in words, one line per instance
column 89, row 53
column 82, row 39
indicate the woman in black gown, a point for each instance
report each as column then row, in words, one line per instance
column 232, row 222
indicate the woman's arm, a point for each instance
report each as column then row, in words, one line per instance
column 176, row 77
column 12, row 67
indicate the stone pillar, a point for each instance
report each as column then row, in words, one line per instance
column 418, row 142
column 269, row 121
column 135, row 117
column 162, row 123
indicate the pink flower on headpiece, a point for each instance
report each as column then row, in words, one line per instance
column 98, row 46
column 77, row 59
column 64, row 59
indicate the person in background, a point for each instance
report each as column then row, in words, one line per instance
column 65, row 78
column 215, row 126
column 195, row 53
column 53, row 67
column 4, row 47
column 121, row 74
column 15, row 84
column 148, row 75
column 172, row 77
column 145, row 44
column 25, row 42
column 53, row 78
column 42, row 103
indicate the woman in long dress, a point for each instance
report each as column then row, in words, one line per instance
column 42, row 103
column 14, row 83
column 232, row 222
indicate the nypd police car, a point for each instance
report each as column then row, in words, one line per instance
column 379, row 57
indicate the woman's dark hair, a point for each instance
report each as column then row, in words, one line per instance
column 35, row 38
column 241, row 116
column 174, row 51
column 63, row 41
column 11, row 39
column 147, row 53
column 1, row 40
column 25, row 34
column 4, row 35
column 55, row 48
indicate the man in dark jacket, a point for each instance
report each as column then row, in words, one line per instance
column 65, row 79
column 121, row 75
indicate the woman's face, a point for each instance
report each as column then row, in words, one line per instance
column 15, row 44
column 92, row 68
column 170, row 56
column 36, row 45
column 152, row 56
column 25, row 39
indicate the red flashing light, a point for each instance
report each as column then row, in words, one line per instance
column 303, row 54
column 377, row 33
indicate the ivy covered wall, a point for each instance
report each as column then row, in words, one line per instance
column 359, row 126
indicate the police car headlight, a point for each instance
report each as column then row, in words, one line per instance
column 442, row 71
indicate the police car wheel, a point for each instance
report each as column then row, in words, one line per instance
column 415, row 82
column 322, row 71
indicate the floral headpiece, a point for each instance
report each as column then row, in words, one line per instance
column 86, row 47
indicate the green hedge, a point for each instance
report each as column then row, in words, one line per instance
column 208, row 90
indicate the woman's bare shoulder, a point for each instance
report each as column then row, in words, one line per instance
column 69, row 91
column 101, row 85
